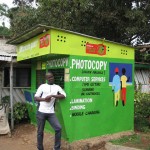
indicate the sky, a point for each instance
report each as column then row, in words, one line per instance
column 10, row 4
column 7, row 2
column 6, row 20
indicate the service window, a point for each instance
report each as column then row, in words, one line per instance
column 21, row 77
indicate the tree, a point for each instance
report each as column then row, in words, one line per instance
column 117, row 20
column 23, row 3
column 122, row 21
column 22, row 19
column 3, row 10
column 4, row 31
column 3, row 13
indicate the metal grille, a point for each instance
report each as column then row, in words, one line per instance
column 59, row 76
column 40, row 77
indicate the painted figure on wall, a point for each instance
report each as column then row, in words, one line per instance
column 124, row 81
column 116, row 86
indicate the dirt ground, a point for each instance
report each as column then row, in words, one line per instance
column 24, row 138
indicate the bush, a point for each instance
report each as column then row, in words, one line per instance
column 6, row 99
column 20, row 112
column 142, row 111
column 19, row 109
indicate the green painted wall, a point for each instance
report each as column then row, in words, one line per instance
column 91, row 111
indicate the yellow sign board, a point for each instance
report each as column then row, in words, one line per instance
column 34, row 47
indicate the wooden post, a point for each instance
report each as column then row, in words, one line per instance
column 0, row 85
column 11, row 92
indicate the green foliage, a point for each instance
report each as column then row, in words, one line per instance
column 22, row 19
column 143, row 57
column 20, row 112
column 4, row 31
column 142, row 111
column 115, row 20
column 3, row 10
column 6, row 99
column 137, row 141
column 22, row 2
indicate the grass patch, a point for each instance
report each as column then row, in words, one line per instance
column 127, row 139
column 140, row 140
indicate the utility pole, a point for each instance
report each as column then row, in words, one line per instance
column 11, row 93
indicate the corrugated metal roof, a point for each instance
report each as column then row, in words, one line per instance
column 7, row 56
column 142, row 65
column 28, row 34
column 34, row 31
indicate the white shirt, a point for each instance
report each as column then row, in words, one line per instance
column 45, row 90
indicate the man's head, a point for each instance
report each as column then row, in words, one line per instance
column 49, row 77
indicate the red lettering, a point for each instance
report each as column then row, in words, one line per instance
column 99, row 49
column 45, row 41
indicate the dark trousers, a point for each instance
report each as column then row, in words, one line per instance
column 52, row 119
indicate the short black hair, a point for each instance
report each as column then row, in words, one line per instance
column 49, row 72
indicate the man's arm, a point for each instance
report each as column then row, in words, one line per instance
column 46, row 99
column 38, row 95
column 59, row 96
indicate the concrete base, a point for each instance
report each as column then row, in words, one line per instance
column 110, row 146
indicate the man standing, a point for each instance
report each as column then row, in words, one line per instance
column 46, row 95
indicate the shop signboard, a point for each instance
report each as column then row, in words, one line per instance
column 35, row 47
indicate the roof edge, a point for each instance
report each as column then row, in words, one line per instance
column 42, row 28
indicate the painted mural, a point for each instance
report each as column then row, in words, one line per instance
column 120, row 76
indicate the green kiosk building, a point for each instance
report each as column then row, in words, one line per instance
column 96, row 74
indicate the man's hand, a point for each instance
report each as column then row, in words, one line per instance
column 48, row 98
